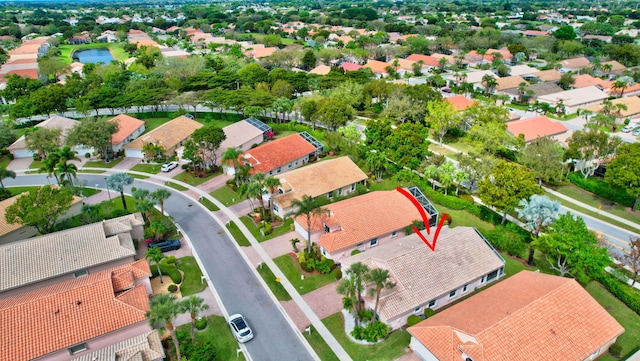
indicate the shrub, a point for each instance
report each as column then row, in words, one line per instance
column 301, row 257
column 338, row 274
column 355, row 252
column 119, row 213
column 87, row 155
column 266, row 229
column 325, row 266
column 201, row 323
column 615, row 350
column 172, row 288
column 413, row 320
column 428, row 312
column 624, row 293
column 167, row 270
column 305, row 266
column 372, row 332
column 507, row 240
column 171, row 260
column 365, row 314
column 602, row 189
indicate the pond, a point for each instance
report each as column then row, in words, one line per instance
column 93, row 56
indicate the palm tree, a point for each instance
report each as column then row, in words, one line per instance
column 157, row 229
column 382, row 280
column 233, row 155
column 489, row 83
column 194, row 305
column 152, row 151
column 348, row 288
column 607, row 68
column 522, row 89
column 160, row 195
column 155, row 254
column 49, row 166
column 307, row 207
column 270, row 184
column 165, row 308
column 144, row 202
column 482, row 53
column 67, row 170
column 5, row 173
column 253, row 190
column 116, row 182
column 67, row 154
column 358, row 273
column 620, row 85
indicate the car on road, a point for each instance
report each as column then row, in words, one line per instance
column 511, row 109
column 636, row 132
column 240, row 328
column 166, row 245
column 627, row 128
column 446, row 90
column 167, row 167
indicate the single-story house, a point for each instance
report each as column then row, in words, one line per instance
column 575, row 98
column 462, row 262
column 170, row 136
column 16, row 232
column 534, row 33
column 550, row 75
column 460, row 102
column 379, row 68
column 523, row 70
column 507, row 83
column 538, row 90
column 347, row 66
column 146, row 346
column 475, row 78
column 616, row 67
column 42, row 261
column 19, row 148
column 331, row 178
column 604, row 38
column 574, row 64
column 258, row 51
column 529, row 316
column 361, row 222
column 243, row 135
column 585, row 80
column 76, row 317
column 629, row 91
column 129, row 128
column 428, row 61
column 320, row 70
column 536, row 127
column 632, row 104
column 280, row 155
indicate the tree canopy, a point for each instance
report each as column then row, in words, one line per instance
column 40, row 208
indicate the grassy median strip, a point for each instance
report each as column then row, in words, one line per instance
column 175, row 186
column 276, row 287
column 320, row 345
column 207, row 203
column 238, row 236
column 226, row 195
column 147, row 168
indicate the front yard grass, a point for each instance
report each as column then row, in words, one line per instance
column 207, row 203
column 292, row 270
column 276, row 288
column 147, row 168
column 320, row 345
column 102, row 164
column 219, row 334
column 238, row 236
column 278, row 231
column 389, row 349
column 152, row 123
column 464, row 218
column 226, row 195
column 630, row 339
column 36, row 164
column 192, row 282
column 192, row 180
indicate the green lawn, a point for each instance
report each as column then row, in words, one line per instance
column 389, row 349
column 462, row 145
column 226, row 195
column 464, row 218
column 207, row 203
column 191, row 283
column 239, row 237
column 147, row 168
column 276, row 288
column 441, row 150
column 102, row 164
column 630, row 320
column 278, row 231
column 193, row 180
column 291, row 269
column 512, row 266
column 219, row 334
column 320, row 345
column 594, row 200
column 153, row 123
column 386, row 184
column 66, row 51
column 36, row 164
column 138, row 176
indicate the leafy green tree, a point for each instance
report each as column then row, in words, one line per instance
column 157, row 229
column 194, row 305
column 42, row 141
column 164, row 308
column 590, row 148
column 624, row 170
column 309, row 60
column 407, row 145
column 53, row 67
column 209, row 139
column 18, row 87
column 572, row 249
column 376, row 162
column 155, row 255
column 508, row 184
column 476, row 166
column 233, row 155
column 334, row 113
column 544, row 156
column 442, row 118
column 308, row 109
column 7, row 135
column 40, row 208
column 307, row 207
column 94, row 133
column 539, row 212
column 116, row 182
column 565, row 33
column 382, row 279
column 566, row 81
column 49, row 99
column 253, row 74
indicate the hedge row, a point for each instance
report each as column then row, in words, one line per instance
column 625, row 294
column 602, row 189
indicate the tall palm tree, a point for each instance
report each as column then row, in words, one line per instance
column 155, row 254
column 165, row 308
column 5, row 173
column 358, row 273
column 347, row 287
column 270, row 184
column 160, row 195
column 233, row 155
column 307, row 207
column 489, row 83
column 116, row 182
column 144, row 202
column 67, row 154
column 382, row 280
column 252, row 190
column 67, row 170
column 49, row 166
column 621, row 86
column 194, row 305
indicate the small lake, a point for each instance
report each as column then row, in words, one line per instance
column 93, row 56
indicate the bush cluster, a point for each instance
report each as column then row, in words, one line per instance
column 413, row 320
column 371, row 332
column 201, row 323
column 511, row 239
column 428, row 312
column 315, row 261
column 602, row 189
column 622, row 292
column 168, row 268
column 195, row 351
column 172, row 288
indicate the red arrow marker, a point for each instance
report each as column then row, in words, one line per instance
column 425, row 220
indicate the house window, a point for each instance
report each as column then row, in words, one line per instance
column 77, row 348
column 289, row 165
column 80, row 273
column 295, row 163
column 482, row 280
column 275, row 208
column 324, row 251
column 492, row 276
column 453, row 294
column 270, row 172
column 417, row 310
column 373, row 242
column 326, row 229
column 432, row 303
column 359, row 245
column 464, row 288
column 394, row 234
column 330, row 195
column 353, row 187
column 339, row 192
column 278, row 170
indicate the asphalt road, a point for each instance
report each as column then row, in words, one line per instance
column 236, row 284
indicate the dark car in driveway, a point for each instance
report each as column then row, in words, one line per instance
column 166, row 244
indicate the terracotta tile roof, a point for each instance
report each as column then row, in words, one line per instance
column 575, row 63
column 450, row 58
column 168, row 135
column 405, row 64
column 585, row 80
column 31, row 73
column 509, row 82
column 363, row 218
column 428, row 60
column 320, row 70
column 614, row 65
column 632, row 103
column 65, row 314
column 37, row 259
column 127, row 125
column 347, row 66
column 530, row 316
column 376, row 66
column 535, row 33
column 317, row 179
column 260, row 51
column 460, row 102
column 549, row 75
column 55, row 121
column 535, row 127
column 608, row 86
column 461, row 256
column 144, row 347
column 278, row 153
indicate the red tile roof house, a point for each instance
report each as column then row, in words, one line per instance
column 76, row 317
column 359, row 223
column 329, row 178
column 529, row 316
column 462, row 262
column 129, row 128
column 56, row 257
column 536, row 127
column 460, row 102
column 278, row 156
